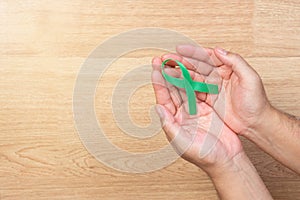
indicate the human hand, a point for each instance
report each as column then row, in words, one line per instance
column 202, row 139
column 242, row 93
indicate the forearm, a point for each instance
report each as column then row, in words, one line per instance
column 239, row 180
column 279, row 135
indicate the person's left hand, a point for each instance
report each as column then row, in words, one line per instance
column 202, row 139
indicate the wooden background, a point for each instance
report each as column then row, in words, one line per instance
column 42, row 46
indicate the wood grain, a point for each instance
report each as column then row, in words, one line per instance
column 42, row 47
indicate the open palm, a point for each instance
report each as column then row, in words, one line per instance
column 202, row 139
column 242, row 97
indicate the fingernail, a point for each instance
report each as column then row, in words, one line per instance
column 221, row 51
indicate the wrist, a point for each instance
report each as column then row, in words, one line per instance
column 268, row 120
column 239, row 179
column 278, row 134
column 232, row 167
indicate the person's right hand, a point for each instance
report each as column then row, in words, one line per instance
column 216, row 151
column 242, row 88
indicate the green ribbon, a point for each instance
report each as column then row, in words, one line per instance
column 189, row 85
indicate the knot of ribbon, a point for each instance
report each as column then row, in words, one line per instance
column 189, row 85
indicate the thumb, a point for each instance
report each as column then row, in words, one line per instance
column 167, row 121
column 173, row 131
column 161, row 113
column 239, row 66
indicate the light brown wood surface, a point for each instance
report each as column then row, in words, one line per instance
column 42, row 47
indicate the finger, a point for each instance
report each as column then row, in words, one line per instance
column 181, row 91
column 199, row 66
column 176, row 72
column 184, row 98
column 239, row 66
column 176, row 57
column 224, row 71
column 156, row 64
column 198, row 53
column 160, row 89
column 215, row 79
column 164, row 91
column 201, row 96
column 168, row 122
column 190, row 63
column 173, row 91
column 179, row 138
column 175, row 96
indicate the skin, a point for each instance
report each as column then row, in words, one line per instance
column 247, row 113
column 182, row 129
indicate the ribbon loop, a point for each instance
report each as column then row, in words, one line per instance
column 189, row 85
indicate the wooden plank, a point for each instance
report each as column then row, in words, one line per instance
column 42, row 47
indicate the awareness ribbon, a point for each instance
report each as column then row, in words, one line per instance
column 189, row 85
